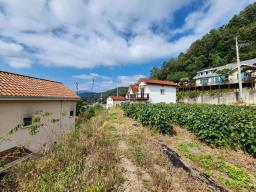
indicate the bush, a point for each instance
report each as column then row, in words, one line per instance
column 217, row 125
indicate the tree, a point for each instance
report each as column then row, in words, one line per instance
column 214, row 49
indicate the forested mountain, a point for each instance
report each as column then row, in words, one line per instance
column 92, row 97
column 214, row 49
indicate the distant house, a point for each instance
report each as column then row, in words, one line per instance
column 36, row 110
column 215, row 76
column 152, row 91
column 114, row 100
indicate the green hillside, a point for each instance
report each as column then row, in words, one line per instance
column 214, row 49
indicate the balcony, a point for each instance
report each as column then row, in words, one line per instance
column 138, row 97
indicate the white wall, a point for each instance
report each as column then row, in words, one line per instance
column 109, row 102
column 156, row 97
column 13, row 112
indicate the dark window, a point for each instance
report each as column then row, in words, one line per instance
column 27, row 121
column 71, row 113
column 162, row 91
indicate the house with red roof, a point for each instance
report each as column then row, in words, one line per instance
column 152, row 91
column 114, row 101
column 34, row 112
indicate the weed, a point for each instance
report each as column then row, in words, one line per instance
column 236, row 177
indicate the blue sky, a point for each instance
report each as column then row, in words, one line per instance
column 113, row 41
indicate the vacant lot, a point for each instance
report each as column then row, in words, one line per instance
column 108, row 153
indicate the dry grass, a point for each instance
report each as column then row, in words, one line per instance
column 153, row 168
column 229, row 167
column 114, row 153
column 84, row 160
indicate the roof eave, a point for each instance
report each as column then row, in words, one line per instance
column 44, row 98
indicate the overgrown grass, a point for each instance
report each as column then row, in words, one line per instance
column 234, row 176
column 83, row 160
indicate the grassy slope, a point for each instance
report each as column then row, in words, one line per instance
column 114, row 153
column 84, row 160
column 110, row 152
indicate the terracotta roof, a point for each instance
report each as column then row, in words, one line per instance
column 16, row 85
column 134, row 88
column 118, row 98
column 158, row 82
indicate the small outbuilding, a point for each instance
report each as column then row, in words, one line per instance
column 114, row 100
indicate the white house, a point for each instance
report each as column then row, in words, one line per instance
column 152, row 91
column 212, row 76
column 114, row 100
column 28, row 103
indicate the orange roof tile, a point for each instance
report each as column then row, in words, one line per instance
column 118, row 98
column 134, row 88
column 158, row 82
column 16, row 85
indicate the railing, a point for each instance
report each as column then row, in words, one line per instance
column 224, row 82
column 139, row 96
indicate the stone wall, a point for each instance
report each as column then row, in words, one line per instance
column 249, row 98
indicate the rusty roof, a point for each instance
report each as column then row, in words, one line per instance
column 16, row 85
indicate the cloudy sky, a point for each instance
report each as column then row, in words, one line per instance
column 113, row 41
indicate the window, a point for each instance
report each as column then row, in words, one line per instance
column 162, row 91
column 27, row 121
column 71, row 113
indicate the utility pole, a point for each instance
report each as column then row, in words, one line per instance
column 239, row 72
column 93, row 80
column 116, row 89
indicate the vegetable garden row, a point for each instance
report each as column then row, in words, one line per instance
column 217, row 125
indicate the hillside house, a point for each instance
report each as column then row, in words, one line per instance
column 152, row 91
column 214, row 76
column 30, row 104
column 114, row 100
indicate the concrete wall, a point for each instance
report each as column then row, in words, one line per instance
column 155, row 97
column 13, row 112
column 249, row 98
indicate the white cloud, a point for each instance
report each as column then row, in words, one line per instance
column 9, row 49
column 124, row 80
column 19, row 63
column 91, row 33
column 91, row 76
column 214, row 13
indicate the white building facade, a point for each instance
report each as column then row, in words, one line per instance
column 213, row 76
column 153, row 91
column 114, row 101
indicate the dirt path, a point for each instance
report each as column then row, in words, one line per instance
column 145, row 167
